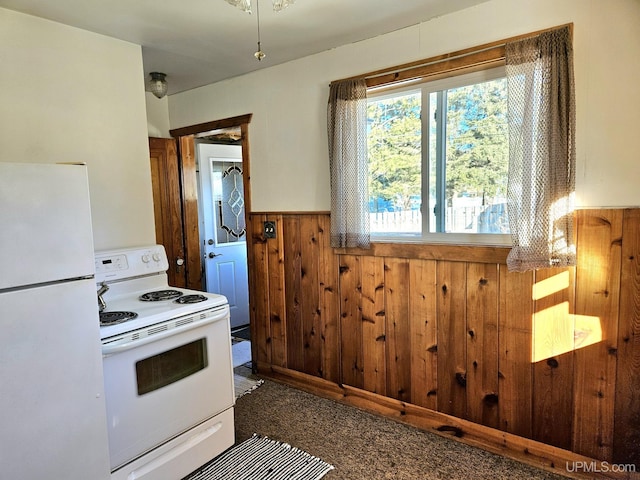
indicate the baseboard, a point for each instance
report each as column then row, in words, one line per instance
column 531, row 452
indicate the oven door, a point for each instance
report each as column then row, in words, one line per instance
column 164, row 380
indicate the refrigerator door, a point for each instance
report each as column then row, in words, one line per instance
column 52, row 409
column 45, row 224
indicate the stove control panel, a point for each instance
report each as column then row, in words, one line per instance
column 112, row 263
column 130, row 262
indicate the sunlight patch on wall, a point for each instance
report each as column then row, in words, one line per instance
column 588, row 331
column 552, row 332
column 551, row 285
column 555, row 330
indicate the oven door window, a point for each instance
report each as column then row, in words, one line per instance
column 168, row 367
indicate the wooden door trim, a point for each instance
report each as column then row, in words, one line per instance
column 214, row 125
column 193, row 258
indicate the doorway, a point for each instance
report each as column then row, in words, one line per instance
column 222, row 224
column 237, row 129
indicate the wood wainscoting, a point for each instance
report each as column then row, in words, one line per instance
column 542, row 366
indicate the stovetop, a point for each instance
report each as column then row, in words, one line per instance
column 134, row 278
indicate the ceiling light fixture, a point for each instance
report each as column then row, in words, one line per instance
column 245, row 6
column 158, row 84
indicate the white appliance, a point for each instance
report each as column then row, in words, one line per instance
column 52, row 410
column 167, row 368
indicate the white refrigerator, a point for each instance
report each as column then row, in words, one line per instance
column 52, row 410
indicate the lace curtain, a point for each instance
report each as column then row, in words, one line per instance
column 347, row 128
column 541, row 106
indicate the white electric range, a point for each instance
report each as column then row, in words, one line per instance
column 167, row 368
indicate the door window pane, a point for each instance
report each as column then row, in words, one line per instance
column 228, row 201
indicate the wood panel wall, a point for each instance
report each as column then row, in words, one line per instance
column 551, row 355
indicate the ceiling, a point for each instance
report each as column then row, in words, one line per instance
column 198, row 42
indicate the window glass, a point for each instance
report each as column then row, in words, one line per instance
column 438, row 159
column 395, row 163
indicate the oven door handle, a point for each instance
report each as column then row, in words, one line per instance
column 157, row 463
column 115, row 347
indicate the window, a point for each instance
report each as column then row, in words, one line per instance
column 438, row 159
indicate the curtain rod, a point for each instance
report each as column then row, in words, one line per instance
column 452, row 56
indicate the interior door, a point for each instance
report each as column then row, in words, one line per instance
column 167, row 205
column 224, row 229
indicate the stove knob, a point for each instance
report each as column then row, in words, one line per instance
column 156, row 257
column 146, row 258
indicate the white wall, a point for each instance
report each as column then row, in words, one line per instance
column 157, row 116
column 289, row 159
column 70, row 95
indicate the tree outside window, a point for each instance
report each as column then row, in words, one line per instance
column 457, row 182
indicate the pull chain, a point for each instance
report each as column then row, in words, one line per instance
column 259, row 54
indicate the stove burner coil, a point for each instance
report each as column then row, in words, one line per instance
column 160, row 295
column 191, row 299
column 113, row 318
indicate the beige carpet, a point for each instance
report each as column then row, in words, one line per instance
column 363, row 446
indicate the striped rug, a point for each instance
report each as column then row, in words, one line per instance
column 260, row 458
column 244, row 385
